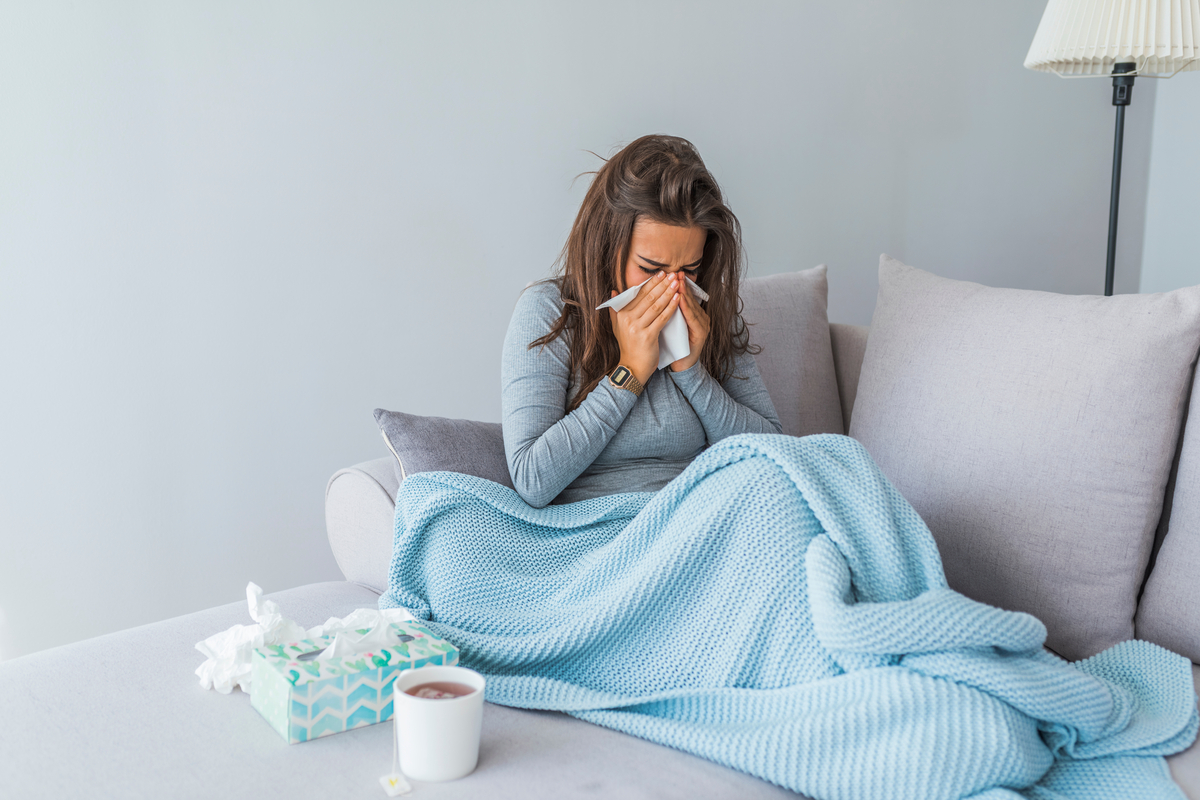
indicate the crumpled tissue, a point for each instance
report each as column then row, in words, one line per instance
column 673, row 340
column 348, row 642
column 227, row 654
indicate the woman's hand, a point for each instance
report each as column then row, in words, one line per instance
column 638, row 324
column 698, row 326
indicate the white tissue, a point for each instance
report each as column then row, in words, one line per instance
column 358, row 619
column 227, row 654
column 673, row 340
column 349, row 642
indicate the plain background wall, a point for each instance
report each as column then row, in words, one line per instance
column 229, row 231
column 1171, row 258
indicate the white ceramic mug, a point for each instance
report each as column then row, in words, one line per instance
column 438, row 739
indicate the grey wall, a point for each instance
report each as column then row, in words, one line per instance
column 1171, row 258
column 228, row 231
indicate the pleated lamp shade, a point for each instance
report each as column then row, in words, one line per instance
column 1086, row 37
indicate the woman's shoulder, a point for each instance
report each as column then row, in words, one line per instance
column 540, row 301
column 545, row 289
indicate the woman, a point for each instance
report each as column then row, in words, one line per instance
column 771, row 603
column 586, row 410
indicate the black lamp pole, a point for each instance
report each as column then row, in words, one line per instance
column 1122, row 95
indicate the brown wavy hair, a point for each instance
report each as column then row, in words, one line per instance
column 661, row 178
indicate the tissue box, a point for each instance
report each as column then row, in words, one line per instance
column 304, row 698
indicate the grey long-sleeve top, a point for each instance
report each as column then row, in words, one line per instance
column 614, row 441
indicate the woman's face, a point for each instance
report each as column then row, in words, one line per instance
column 655, row 246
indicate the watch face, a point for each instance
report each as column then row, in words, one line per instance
column 620, row 375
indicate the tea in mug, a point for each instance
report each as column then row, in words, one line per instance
column 439, row 690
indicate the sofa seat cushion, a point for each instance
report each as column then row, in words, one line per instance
column 124, row 716
column 1034, row 434
column 1169, row 612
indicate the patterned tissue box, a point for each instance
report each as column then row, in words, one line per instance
column 304, row 698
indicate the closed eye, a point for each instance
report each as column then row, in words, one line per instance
column 689, row 271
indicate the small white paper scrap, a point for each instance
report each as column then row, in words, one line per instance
column 394, row 784
column 673, row 340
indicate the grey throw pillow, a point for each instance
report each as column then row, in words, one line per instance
column 1169, row 613
column 1034, row 433
column 788, row 319
column 432, row 444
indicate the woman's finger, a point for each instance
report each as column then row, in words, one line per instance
column 694, row 305
column 661, row 297
column 647, row 294
column 689, row 300
column 664, row 316
column 694, row 316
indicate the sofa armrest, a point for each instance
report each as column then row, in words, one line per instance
column 360, row 506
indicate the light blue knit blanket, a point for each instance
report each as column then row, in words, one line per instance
column 779, row 608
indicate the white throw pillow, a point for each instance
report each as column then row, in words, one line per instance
column 1034, row 433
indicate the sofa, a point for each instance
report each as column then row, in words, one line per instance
column 135, row 723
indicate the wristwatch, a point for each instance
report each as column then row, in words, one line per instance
column 622, row 378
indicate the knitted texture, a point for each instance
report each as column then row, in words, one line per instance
column 779, row 608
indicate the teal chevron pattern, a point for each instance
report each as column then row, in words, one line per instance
column 305, row 700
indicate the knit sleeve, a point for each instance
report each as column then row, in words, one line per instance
column 546, row 447
column 739, row 404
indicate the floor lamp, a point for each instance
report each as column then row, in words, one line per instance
column 1124, row 40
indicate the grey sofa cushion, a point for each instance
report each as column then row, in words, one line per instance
column 788, row 318
column 849, row 346
column 1034, row 433
column 432, row 444
column 1169, row 612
